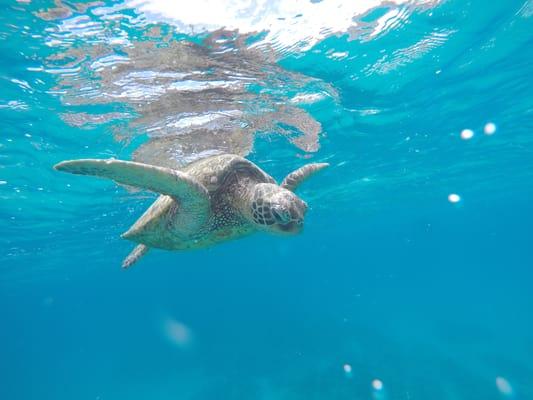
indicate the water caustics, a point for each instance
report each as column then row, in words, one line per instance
column 139, row 62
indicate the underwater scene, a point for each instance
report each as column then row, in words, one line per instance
column 266, row 200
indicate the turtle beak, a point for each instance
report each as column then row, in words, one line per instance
column 282, row 216
column 296, row 223
column 292, row 227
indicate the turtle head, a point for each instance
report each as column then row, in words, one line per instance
column 276, row 209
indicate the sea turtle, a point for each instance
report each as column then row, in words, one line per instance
column 212, row 200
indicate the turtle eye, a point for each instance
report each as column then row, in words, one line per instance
column 281, row 214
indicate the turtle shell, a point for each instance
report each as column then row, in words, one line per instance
column 216, row 171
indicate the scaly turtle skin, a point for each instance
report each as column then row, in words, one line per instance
column 212, row 200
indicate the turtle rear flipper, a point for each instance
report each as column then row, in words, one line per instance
column 139, row 251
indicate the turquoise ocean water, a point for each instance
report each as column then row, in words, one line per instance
column 413, row 276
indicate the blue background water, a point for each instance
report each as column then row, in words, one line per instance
column 432, row 298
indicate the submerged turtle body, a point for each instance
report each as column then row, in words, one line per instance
column 212, row 200
column 227, row 179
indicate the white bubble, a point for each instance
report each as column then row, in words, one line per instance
column 467, row 134
column 454, row 198
column 377, row 384
column 347, row 368
column 490, row 128
column 177, row 332
column 504, row 386
column 3, row 182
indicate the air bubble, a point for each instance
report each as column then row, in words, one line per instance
column 177, row 332
column 454, row 198
column 347, row 369
column 377, row 384
column 504, row 386
column 467, row 134
column 490, row 128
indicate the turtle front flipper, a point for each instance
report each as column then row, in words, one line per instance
column 191, row 195
column 157, row 179
column 295, row 178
